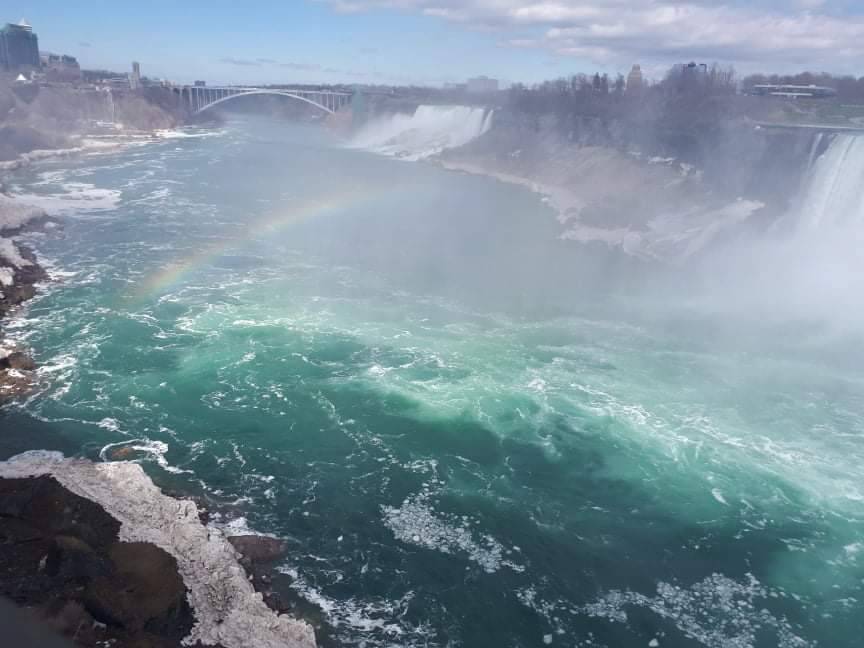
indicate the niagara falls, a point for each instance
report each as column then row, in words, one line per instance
column 296, row 355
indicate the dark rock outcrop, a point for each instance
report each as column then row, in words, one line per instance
column 257, row 549
column 60, row 556
column 25, row 278
column 17, row 370
column 19, row 361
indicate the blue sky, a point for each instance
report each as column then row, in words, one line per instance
column 434, row 41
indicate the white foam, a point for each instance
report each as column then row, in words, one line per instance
column 238, row 526
column 227, row 609
column 188, row 134
column 76, row 197
column 367, row 617
column 718, row 495
column 154, row 450
column 110, row 424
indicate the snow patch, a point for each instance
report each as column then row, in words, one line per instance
column 11, row 255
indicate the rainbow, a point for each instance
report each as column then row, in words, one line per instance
column 173, row 273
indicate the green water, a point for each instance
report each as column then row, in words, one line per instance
column 408, row 376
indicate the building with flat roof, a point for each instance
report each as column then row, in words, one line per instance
column 481, row 85
column 691, row 70
column 634, row 79
column 60, row 67
column 19, row 47
column 792, row 91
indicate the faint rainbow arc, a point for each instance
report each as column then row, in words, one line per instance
column 173, row 273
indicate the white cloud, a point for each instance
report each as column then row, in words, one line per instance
column 806, row 34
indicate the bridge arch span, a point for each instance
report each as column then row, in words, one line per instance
column 278, row 93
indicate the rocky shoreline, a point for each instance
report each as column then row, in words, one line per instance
column 20, row 273
column 97, row 552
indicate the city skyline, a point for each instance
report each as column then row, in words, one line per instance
column 444, row 41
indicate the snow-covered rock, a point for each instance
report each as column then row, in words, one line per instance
column 10, row 256
column 14, row 214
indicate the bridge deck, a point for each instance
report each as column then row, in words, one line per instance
column 201, row 97
column 825, row 128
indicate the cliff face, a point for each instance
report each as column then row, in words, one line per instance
column 733, row 159
column 659, row 195
column 36, row 117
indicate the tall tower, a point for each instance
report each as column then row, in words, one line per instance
column 135, row 77
column 634, row 79
column 19, row 47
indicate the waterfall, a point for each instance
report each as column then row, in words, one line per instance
column 814, row 149
column 833, row 196
column 109, row 97
column 430, row 130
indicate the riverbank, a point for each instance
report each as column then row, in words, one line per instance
column 98, row 574
column 84, row 145
column 20, row 272
column 652, row 208
column 100, row 553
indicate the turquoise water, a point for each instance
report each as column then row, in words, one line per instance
column 405, row 374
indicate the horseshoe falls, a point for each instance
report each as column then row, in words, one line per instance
column 833, row 197
column 464, row 431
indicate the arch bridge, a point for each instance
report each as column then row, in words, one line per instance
column 201, row 98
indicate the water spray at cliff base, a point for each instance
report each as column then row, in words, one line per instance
column 428, row 131
column 807, row 267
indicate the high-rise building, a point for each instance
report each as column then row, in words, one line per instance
column 19, row 47
column 634, row 79
column 135, row 77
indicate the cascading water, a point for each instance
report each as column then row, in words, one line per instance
column 430, row 130
column 814, row 149
column 813, row 271
column 833, row 195
column 109, row 99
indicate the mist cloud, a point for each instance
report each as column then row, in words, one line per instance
column 809, row 32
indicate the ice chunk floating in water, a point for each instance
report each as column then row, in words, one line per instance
column 430, row 130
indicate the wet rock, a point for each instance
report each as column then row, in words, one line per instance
column 144, row 591
column 258, row 548
column 72, row 560
column 60, row 557
column 67, row 618
column 19, row 361
column 122, row 453
column 14, row 531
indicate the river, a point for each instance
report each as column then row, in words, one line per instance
column 409, row 376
